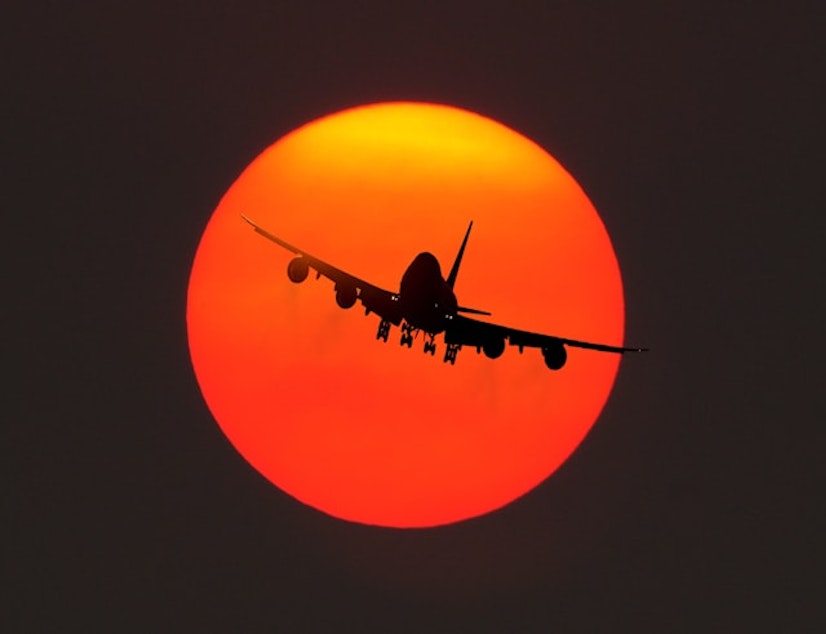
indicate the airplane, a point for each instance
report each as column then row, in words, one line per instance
column 426, row 302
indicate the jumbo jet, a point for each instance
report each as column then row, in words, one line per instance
column 426, row 303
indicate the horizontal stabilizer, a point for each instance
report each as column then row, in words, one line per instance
column 473, row 311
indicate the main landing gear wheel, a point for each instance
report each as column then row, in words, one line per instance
column 451, row 352
column 430, row 345
column 384, row 330
column 407, row 335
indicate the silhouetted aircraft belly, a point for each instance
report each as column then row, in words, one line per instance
column 426, row 303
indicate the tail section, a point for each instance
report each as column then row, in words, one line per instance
column 454, row 271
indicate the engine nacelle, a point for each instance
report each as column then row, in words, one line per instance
column 555, row 356
column 297, row 270
column 493, row 348
column 346, row 296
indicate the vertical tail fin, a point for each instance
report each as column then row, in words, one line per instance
column 454, row 271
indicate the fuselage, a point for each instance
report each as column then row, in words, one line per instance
column 426, row 299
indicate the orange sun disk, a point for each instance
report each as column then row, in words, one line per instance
column 369, row 431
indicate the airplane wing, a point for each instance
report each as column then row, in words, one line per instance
column 492, row 338
column 348, row 287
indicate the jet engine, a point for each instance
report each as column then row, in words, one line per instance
column 346, row 296
column 297, row 270
column 494, row 347
column 555, row 356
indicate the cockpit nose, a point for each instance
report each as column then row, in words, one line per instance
column 426, row 263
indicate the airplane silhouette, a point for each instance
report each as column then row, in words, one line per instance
column 426, row 302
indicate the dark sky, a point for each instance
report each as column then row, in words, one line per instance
column 694, row 504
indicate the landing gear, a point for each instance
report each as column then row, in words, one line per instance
column 451, row 352
column 408, row 332
column 384, row 330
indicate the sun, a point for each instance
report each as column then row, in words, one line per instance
column 373, row 432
